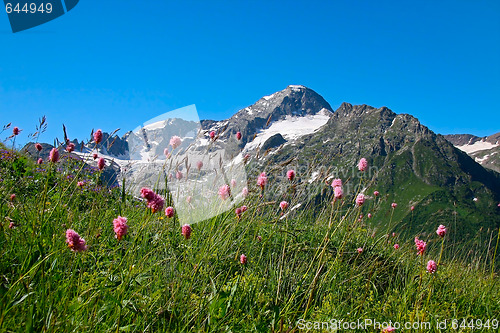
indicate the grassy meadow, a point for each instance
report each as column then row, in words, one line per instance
column 301, row 268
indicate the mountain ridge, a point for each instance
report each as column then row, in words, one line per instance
column 412, row 165
column 484, row 150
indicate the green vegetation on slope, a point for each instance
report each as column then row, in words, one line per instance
column 302, row 266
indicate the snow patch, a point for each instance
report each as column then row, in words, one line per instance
column 291, row 128
column 157, row 125
column 269, row 97
column 296, row 87
column 476, row 146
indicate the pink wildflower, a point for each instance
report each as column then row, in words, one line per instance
column 15, row 130
column 396, row 246
column 360, row 199
column 95, row 156
column 98, row 136
column 12, row 225
column 233, row 182
column 376, row 193
column 394, row 205
column 431, row 266
column 175, row 141
column 262, row 180
column 165, row 152
column 199, row 165
column 157, row 204
column 243, row 259
column 244, row 208
column 80, row 184
column 388, row 329
column 186, row 231
column 244, row 192
column 12, row 197
column 54, row 155
column 441, row 230
column 338, row 193
column 178, row 175
column 40, row 161
column 337, row 183
column 283, row 205
column 363, row 164
column 120, row 227
column 238, row 135
column 212, row 135
column 154, row 201
column 224, row 192
column 259, row 238
column 70, row 147
column 412, row 208
column 75, row 242
column 169, row 212
column 147, row 194
column 101, row 163
column 290, row 175
column 421, row 245
column 38, row 146
column 238, row 212
column 369, row 215
column 360, row 249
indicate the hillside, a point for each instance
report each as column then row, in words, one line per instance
column 485, row 151
column 296, row 127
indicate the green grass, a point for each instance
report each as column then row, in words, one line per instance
column 306, row 267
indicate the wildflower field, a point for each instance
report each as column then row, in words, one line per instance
column 78, row 256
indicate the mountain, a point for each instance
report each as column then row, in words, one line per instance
column 292, row 112
column 296, row 128
column 411, row 166
column 485, row 150
column 108, row 177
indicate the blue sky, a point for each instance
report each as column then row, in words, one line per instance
column 115, row 64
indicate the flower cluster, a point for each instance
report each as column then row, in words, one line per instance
column 360, row 199
column 262, row 180
column 74, row 241
column 431, row 266
column 363, row 164
column 120, row 227
column 54, row 155
column 169, row 212
column 98, row 136
column 421, row 245
column 186, row 231
column 224, row 192
column 239, row 211
column 154, row 201
column 441, row 230
column 175, row 141
column 101, row 163
column 337, row 183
